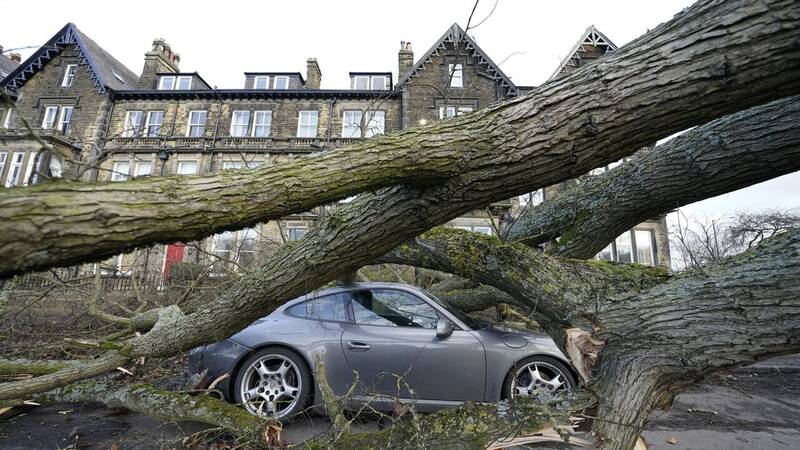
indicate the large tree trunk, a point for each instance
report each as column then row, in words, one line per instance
column 711, row 59
column 722, row 156
column 652, row 341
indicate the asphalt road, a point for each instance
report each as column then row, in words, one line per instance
column 756, row 407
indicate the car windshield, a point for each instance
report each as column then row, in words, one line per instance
column 475, row 324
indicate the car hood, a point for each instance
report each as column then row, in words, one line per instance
column 514, row 337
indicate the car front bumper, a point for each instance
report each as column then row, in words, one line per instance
column 218, row 359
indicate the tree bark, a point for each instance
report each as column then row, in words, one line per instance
column 651, row 341
column 722, row 156
column 683, row 73
column 689, row 82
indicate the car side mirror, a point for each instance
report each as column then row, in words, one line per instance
column 444, row 328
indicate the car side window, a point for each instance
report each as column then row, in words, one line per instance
column 389, row 307
column 331, row 308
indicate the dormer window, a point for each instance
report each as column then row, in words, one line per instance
column 69, row 75
column 172, row 82
column 261, row 82
column 456, row 74
column 369, row 82
column 281, row 82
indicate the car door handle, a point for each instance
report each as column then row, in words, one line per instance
column 358, row 346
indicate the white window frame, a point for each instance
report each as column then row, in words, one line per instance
column 118, row 173
column 69, row 75
column 7, row 121
column 262, row 77
column 267, row 124
column 649, row 234
column 148, row 124
column 3, row 118
column 3, row 157
column 452, row 70
column 190, row 124
column 352, row 129
column 181, row 164
column 65, row 118
column 140, row 165
column 17, row 159
column 374, row 130
column 383, row 79
column 232, row 165
column 239, row 129
column 181, row 79
column 361, row 77
column 129, row 128
column 280, row 78
column 446, row 112
column 49, row 122
column 161, row 83
column 307, row 126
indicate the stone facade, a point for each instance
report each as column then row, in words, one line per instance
column 146, row 126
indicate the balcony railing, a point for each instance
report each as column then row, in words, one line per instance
column 276, row 144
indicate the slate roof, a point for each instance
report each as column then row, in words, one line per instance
column 107, row 72
column 7, row 65
column 456, row 34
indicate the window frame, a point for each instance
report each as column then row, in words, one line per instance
column 282, row 78
column 262, row 77
column 189, row 124
column 369, row 130
column 3, row 159
column 15, row 165
column 357, row 125
column 452, row 69
column 69, row 75
column 132, row 131
column 179, row 79
column 49, row 124
column 307, row 126
column 161, row 82
column 148, row 124
column 62, row 120
column 118, row 175
column 256, row 125
column 7, row 120
column 180, row 164
column 384, row 78
column 142, row 163
column 241, row 128
column 362, row 77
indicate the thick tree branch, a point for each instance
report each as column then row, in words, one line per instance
column 727, row 154
column 679, row 74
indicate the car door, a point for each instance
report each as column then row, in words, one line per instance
column 394, row 349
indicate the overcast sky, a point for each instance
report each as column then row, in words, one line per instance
column 221, row 40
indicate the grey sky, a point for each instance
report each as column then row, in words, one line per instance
column 221, row 40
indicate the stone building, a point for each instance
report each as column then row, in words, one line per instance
column 97, row 120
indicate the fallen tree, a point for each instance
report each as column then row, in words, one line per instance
column 675, row 74
column 721, row 156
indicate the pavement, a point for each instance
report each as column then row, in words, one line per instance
column 755, row 407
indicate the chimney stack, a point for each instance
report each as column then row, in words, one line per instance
column 313, row 74
column 405, row 60
column 159, row 59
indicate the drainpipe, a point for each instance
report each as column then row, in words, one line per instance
column 329, row 132
column 216, row 129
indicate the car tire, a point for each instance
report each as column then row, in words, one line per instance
column 272, row 356
column 546, row 361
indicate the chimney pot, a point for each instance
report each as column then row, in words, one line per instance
column 161, row 58
column 15, row 57
column 405, row 59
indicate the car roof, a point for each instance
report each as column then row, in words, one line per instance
column 347, row 287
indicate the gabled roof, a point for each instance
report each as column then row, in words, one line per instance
column 456, row 34
column 592, row 37
column 107, row 72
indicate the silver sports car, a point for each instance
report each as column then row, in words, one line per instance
column 390, row 341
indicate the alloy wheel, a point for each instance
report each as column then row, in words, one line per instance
column 271, row 386
column 538, row 377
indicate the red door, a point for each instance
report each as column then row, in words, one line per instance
column 174, row 255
